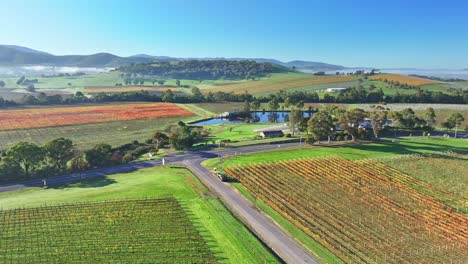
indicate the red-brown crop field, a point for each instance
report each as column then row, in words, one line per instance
column 60, row 116
column 362, row 212
column 403, row 79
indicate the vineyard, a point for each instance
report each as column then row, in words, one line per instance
column 276, row 84
column 403, row 79
column 362, row 212
column 113, row 89
column 60, row 116
column 127, row 231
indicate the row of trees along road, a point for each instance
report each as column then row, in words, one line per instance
column 331, row 121
column 26, row 160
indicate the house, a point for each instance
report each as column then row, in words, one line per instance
column 335, row 90
column 271, row 133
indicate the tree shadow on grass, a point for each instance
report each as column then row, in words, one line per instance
column 97, row 182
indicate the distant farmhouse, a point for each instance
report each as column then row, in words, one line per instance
column 335, row 90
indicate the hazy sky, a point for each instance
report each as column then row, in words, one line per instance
column 410, row 33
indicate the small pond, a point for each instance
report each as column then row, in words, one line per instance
column 255, row 117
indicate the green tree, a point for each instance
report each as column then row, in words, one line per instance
column 78, row 164
column 300, row 104
column 295, row 117
column 58, row 152
column 349, row 121
column 430, row 117
column 26, row 156
column 160, row 139
column 409, row 120
column 168, row 96
column 177, row 82
column 246, row 107
column 455, row 120
column 255, row 105
column 322, row 124
column 196, row 94
column 378, row 118
column 182, row 137
column 99, row 156
column 273, row 104
column 2, row 84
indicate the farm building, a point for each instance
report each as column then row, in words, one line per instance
column 335, row 90
column 271, row 133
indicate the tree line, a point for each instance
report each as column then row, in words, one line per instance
column 332, row 122
column 203, row 69
column 351, row 95
column 26, row 160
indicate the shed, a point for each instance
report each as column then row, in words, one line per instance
column 271, row 133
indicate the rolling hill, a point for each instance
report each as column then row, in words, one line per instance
column 11, row 55
column 17, row 56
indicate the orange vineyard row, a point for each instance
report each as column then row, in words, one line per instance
column 362, row 212
column 403, row 79
column 59, row 116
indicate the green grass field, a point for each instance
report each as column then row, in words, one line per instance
column 234, row 132
column 232, row 241
column 354, row 152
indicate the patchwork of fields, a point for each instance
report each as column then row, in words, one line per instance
column 114, row 124
column 276, row 83
column 360, row 211
column 403, row 79
column 91, row 222
column 136, row 231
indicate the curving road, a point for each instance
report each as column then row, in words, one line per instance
column 263, row 226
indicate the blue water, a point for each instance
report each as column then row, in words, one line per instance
column 256, row 117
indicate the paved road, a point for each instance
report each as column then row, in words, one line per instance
column 173, row 158
column 264, row 227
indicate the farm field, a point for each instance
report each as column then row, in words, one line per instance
column 143, row 231
column 87, row 135
column 404, row 79
column 71, row 82
column 121, row 89
column 318, row 87
column 219, row 108
column 384, row 148
column 358, row 211
column 278, row 82
column 226, row 237
column 446, row 171
column 60, row 116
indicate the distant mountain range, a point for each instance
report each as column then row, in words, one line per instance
column 11, row 55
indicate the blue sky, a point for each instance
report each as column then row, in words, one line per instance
column 424, row 34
